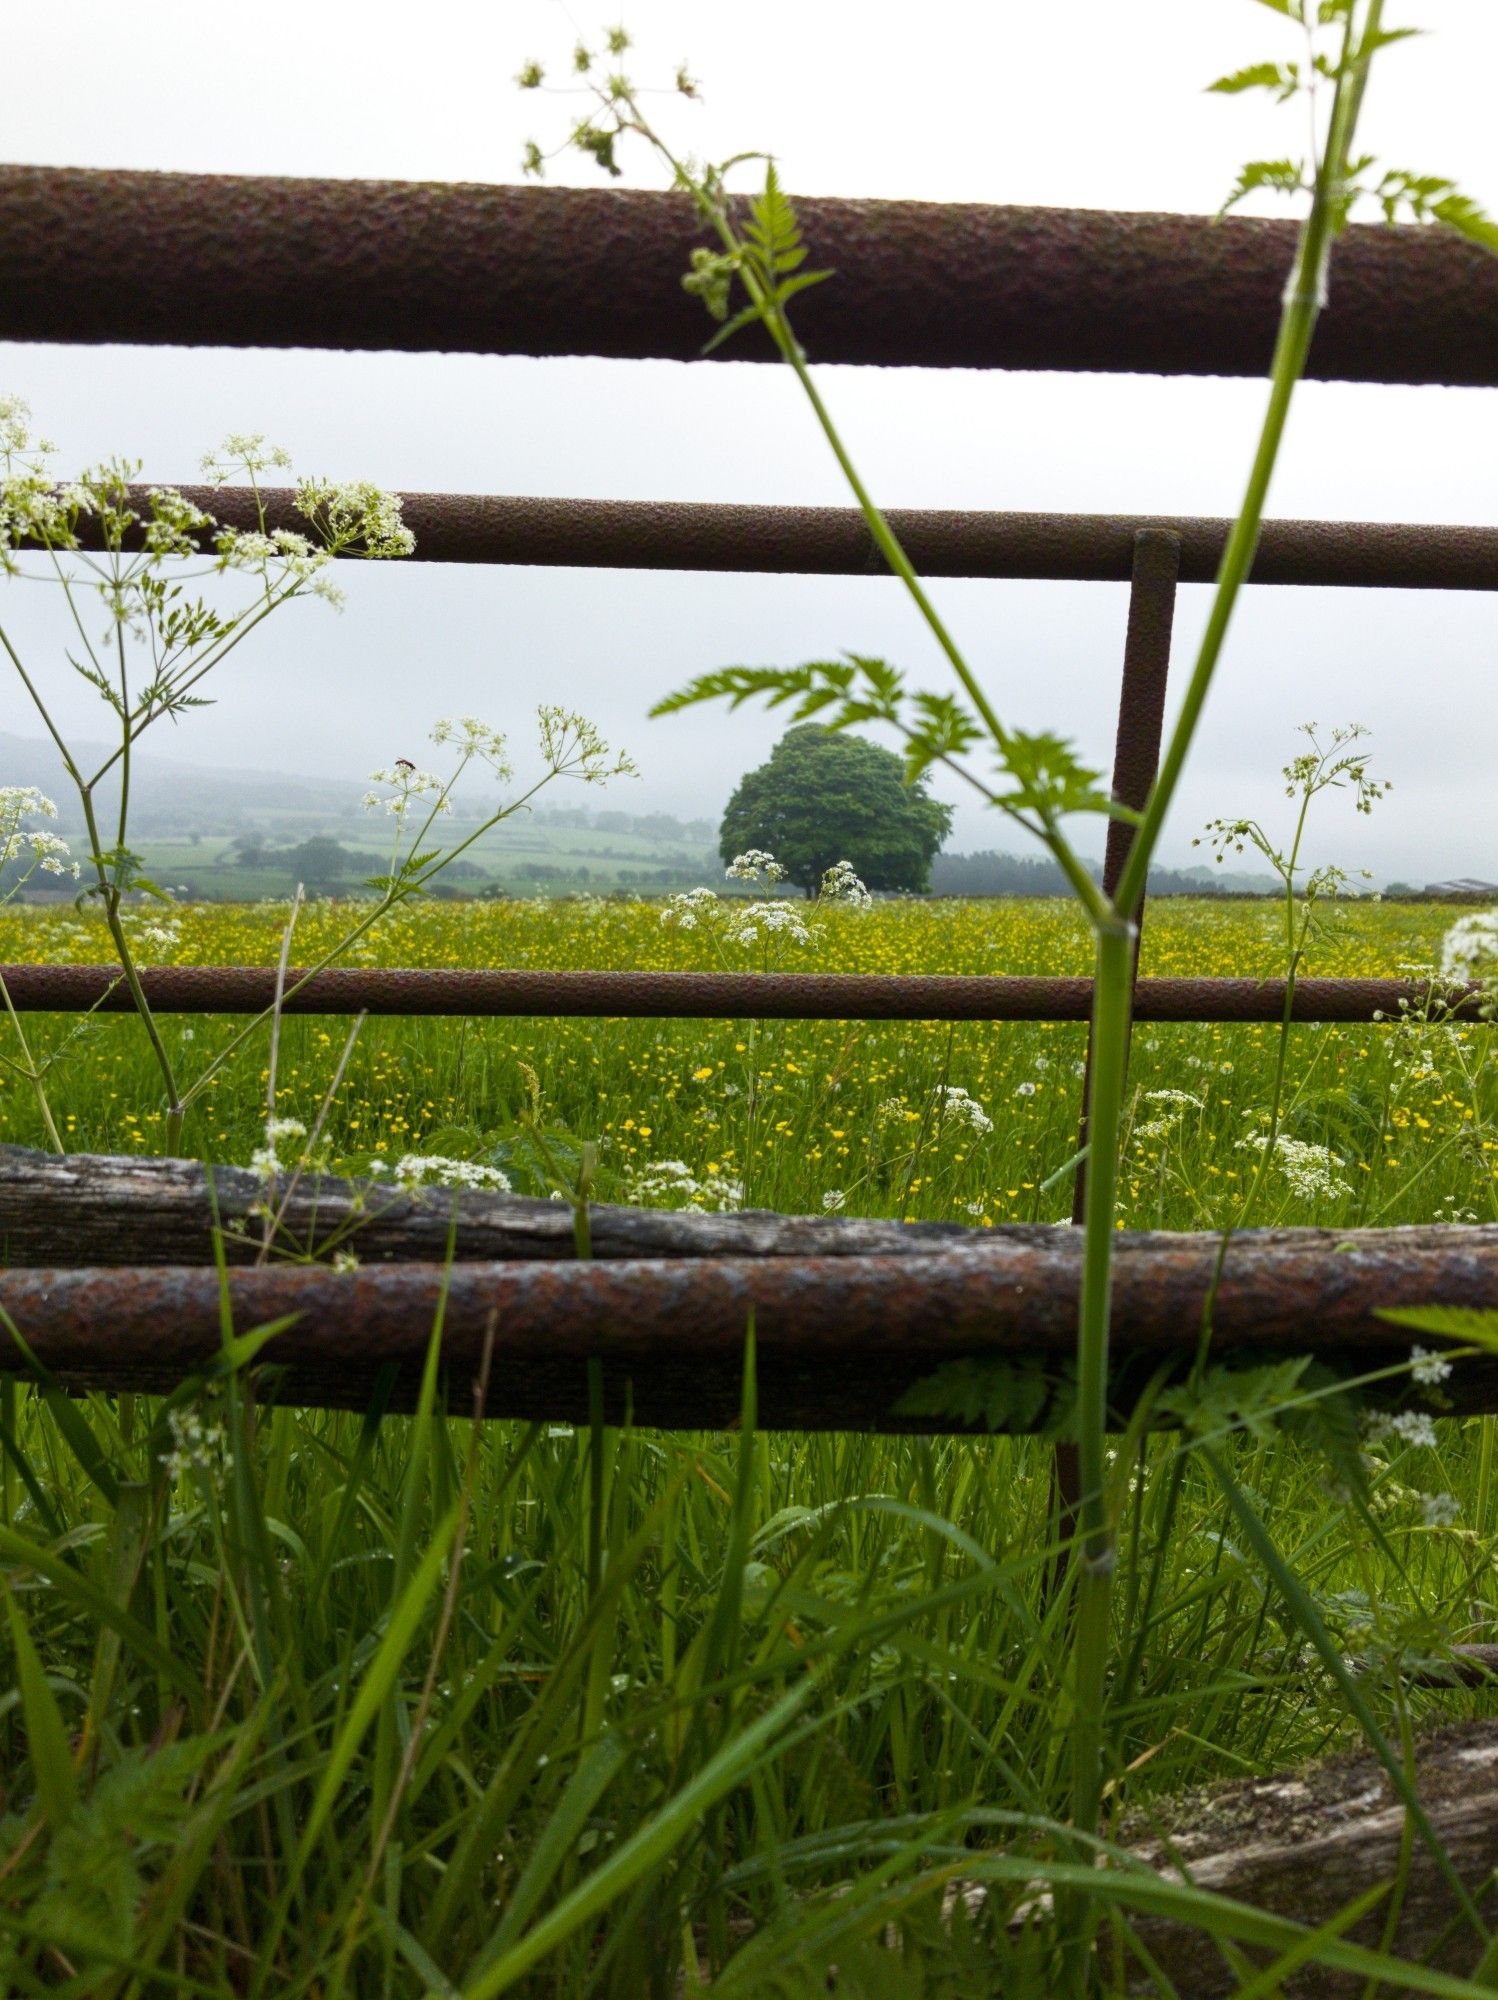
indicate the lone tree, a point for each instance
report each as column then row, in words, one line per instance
column 826, row 797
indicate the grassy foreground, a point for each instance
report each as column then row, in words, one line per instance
column 299, row 1704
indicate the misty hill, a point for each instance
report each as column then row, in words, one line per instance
column 991, row 874
column 171, row 799
column 167, row 797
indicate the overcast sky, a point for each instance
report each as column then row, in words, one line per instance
column 1096, row 103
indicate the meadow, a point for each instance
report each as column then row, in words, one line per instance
column 800, row 1111
column 422, row 1706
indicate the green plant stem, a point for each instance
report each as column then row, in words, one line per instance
column 1304, row 298
column 110, row 897
column 1111, row 1004
column 32, row 1073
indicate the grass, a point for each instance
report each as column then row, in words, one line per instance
column 328, row 1706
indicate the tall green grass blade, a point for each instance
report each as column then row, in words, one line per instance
column 50, row 1753
column 674, row 1823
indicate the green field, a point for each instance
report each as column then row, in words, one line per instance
column 430, row 1708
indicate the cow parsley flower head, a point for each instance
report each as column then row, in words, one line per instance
column 172, row 523
column 1469, row 949
column 1428, row 1368
column 437, row 1170
column 355, row 518
column 672, row 1183
column 755, row 865
column 573, row 748
column 690, row 909
column 245, row 455
column 781, row 923
column 266, row 1160
column 841, row 885
column 475, row 739
column 32, row 509
column 31, row 847
column 1307, row 1169
column 954, row 1105
column 197, row 1447
column 1410, row 1427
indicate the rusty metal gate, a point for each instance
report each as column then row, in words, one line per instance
column 230, row 261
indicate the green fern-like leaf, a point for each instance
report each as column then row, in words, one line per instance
column 1273, row 176
column 1282, row 80
column 983, row 1392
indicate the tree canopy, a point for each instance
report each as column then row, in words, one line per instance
column 826, row 796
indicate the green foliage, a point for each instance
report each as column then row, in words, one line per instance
column 992, row 1393
column 1474, row 1326
column 825, row 797
column 769, row 262
column 99, row 1865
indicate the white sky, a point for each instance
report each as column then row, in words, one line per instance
column 1095, row 104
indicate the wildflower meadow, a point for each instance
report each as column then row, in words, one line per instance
column 925, row 1120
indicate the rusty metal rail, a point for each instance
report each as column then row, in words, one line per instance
column 840, row 1339
column 237, row 261
column 699, row 996
column 834, row 541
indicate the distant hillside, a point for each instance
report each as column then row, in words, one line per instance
column 992, row 874
column 167, row 797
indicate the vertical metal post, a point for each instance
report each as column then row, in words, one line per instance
column 1136, row 758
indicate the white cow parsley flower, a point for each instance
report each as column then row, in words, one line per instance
column 841, row 885
column 1470, row 947
column 752, row 865
column 1307, row 1168
column 32, row 847
column 953, row 1103
column 1428, row 1368
column 436, row 1170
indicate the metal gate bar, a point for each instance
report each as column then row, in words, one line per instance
column 834, row 541
column 706, row 996
column 231, row 260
